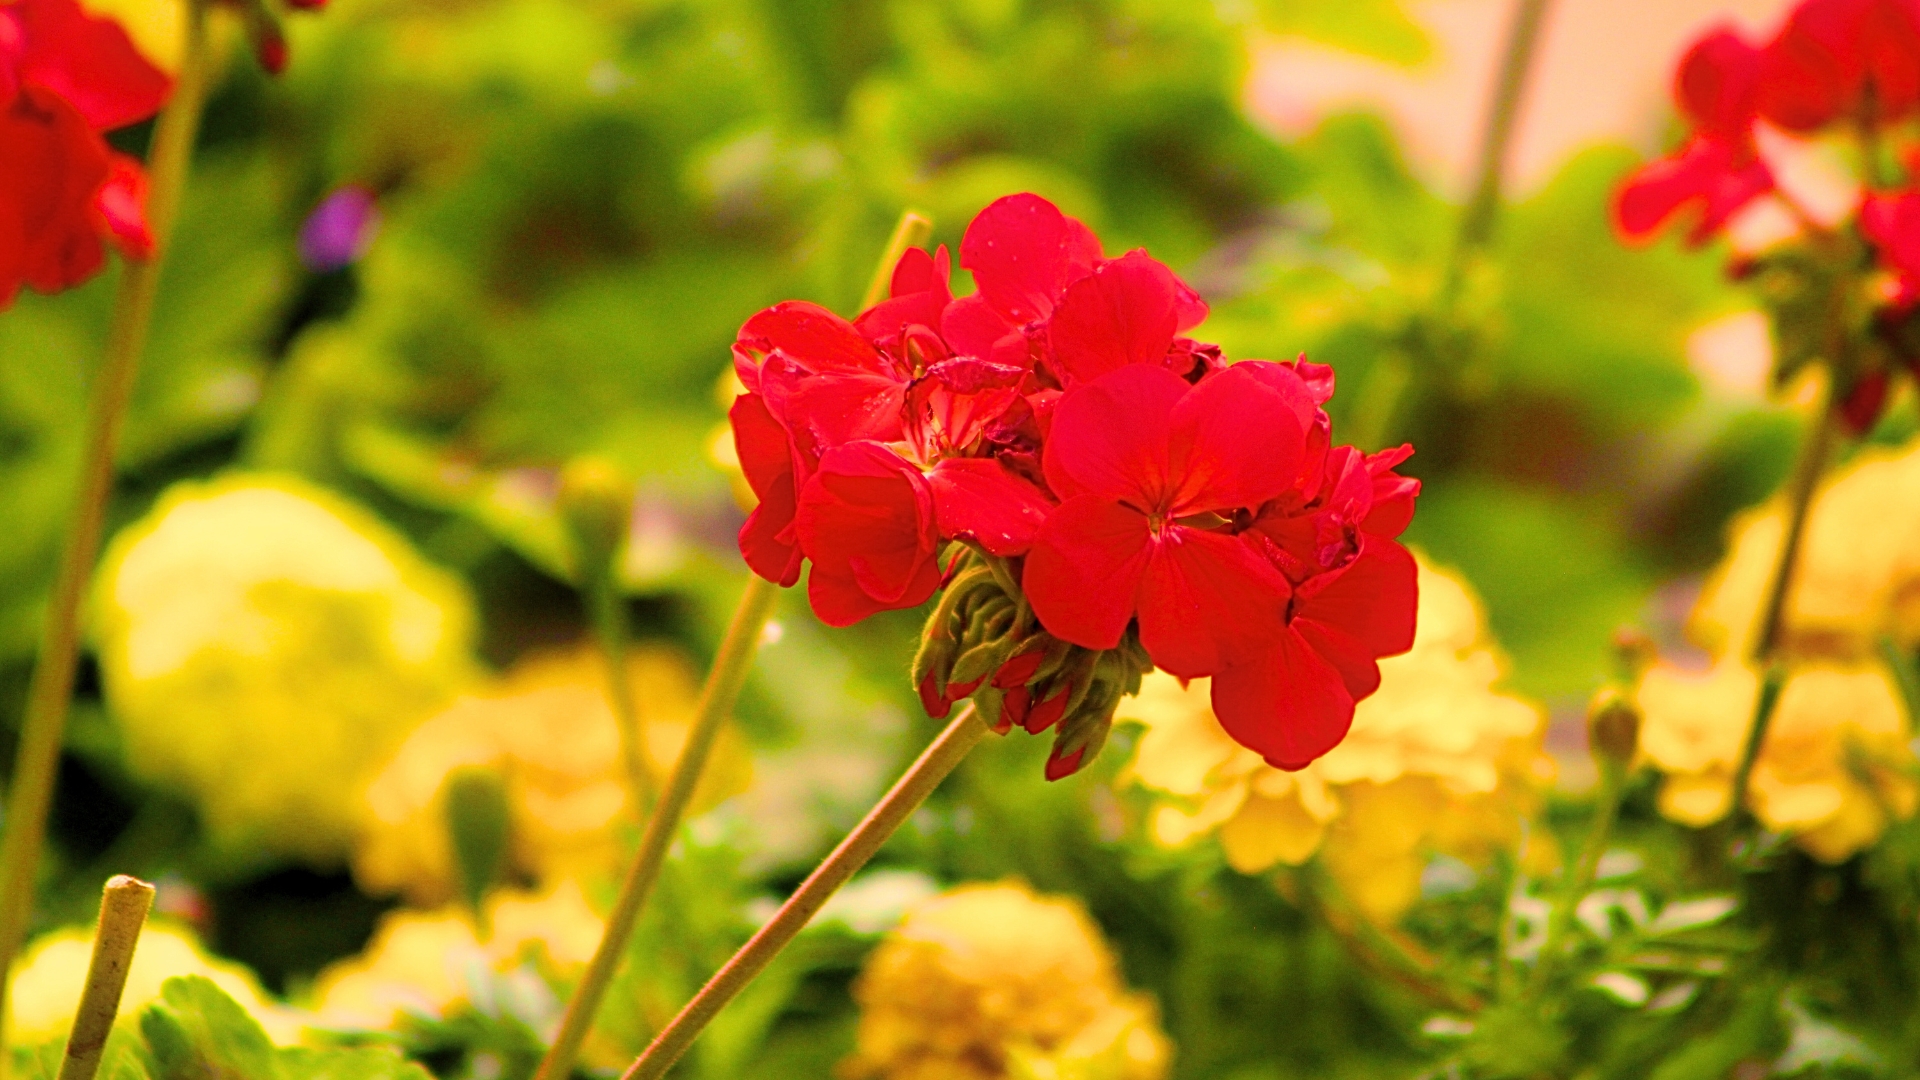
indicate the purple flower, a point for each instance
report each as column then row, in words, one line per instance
column 339, row 230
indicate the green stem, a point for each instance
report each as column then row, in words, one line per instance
column 1613, row 775
column 1387, row 952
column 939, row 759
column 1496, row 136
column 716, row 704
column 1801, row 487
column 123, row 911
column 44, row 724
column 610, row 628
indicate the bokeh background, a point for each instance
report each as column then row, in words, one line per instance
column 339, row 595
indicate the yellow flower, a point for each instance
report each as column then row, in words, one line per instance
column 1835, row 766
column 265, row 646
column 992, row 981
column 1858, row 576
column 1437, row 761
column 426, row 961
column 48, row 980
column 157, row 27
column 548, row 731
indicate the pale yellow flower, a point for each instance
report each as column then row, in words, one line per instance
column 548, row 731
column 265, row 645
column 1437, row 761
column 1858, row 576
column 52, row 972
column 1835, row 767
column 991, row 981
column 426, row 961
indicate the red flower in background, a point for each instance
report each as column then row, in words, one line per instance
column 66, row 77
column 1719, row 170
column 1843, row 59
column 1122, row 482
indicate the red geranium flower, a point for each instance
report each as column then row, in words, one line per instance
column 1719, row 170
column 1145, row 464
column 866, row 520
column 1839, row 59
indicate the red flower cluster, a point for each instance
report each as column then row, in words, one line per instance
column 65, row 78
column 1084, row 465
column 1833, row 62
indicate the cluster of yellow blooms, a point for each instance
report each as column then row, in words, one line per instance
column 548, row 732
column 265, row 645
column 1836, row 764
column 1437, row 761
column 991, row 982
column 426, row 961
column 47, row 982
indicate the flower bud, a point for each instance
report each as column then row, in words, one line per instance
column 1613, row 727
column 596, row 502
column 1633, row 652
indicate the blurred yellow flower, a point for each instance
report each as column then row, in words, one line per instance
column 1858, row 577
column 265, row 645
column 1437, row 762
column 427, row 960
column 51, row 973
column 157, row 27
column 1835, row 767
column 992, row 981
column 549, row 732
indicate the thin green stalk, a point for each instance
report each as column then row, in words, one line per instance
column 610, row 629
column 44, row 724
column 1613, row 777
column 716, row 702
column 1801, row 488
column 939, row 759
column 729, row 674
column 123, row 911
column 1496, row 136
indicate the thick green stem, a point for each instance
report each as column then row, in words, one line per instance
column 729, row 674
column 947, row 751
column 1613, row 776
column 44, row 724
column 123, row 911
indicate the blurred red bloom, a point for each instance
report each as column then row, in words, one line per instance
column 1719, row 170
column 1837, row 59
column 66, row 77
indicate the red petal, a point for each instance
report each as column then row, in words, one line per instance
column 761, row 444
column 52, row 165
column 89, row 61
column 1393, row 494
column 1207, row 600
column 814, row 337
column 867, row 516
column 1364, row 611
column 1718, row 82
column 971, row 326
column 840, row 601
column 122, row 203
column 1126, row 312
column 827, row 410
column 1235, row 439
column 766, row 540
column 1109, row 437
column 1084, row 570
column 1023, row 253
column 980, row 499
column 1289, row 706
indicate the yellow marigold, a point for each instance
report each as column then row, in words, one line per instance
column 549, row 731
column 265, row 645
column 1858, row 577
column 426, row 960
column 992, row 981
column 52, row 972
column 1437, row 761
column 1835, row 766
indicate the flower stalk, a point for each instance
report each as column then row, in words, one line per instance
column 940, row 758
column 123, row 912
column 717, row 699
column 43, row 726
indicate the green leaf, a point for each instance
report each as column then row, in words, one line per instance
column 349, row 1063
column 1376, row 28
column 196, row 1032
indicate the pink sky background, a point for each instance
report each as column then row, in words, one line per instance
column 1602, row 74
